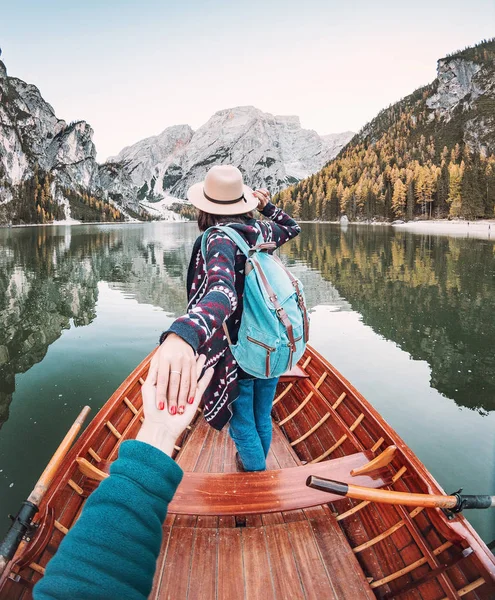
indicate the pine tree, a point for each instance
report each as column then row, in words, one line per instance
column 297, row 208
column 455, row 186
column 399, row 198
column 441, row 173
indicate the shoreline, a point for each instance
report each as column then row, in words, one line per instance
column 76, row 223
column 482, row 229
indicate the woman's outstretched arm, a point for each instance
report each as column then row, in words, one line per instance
column 283, row 227
column 191, row 331
column 111, row 551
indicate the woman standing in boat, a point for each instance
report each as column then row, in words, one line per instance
column 215, row 286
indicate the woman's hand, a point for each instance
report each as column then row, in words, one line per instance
column 263, row 196
column 176, row 383
column 160, row 428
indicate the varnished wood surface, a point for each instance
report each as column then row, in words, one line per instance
column 418, row 537
column 287, row 560
column 336, row 551
column 264, row 557
column 382, row 460
column 266, row 491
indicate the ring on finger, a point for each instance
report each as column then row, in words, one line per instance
column 178, row 372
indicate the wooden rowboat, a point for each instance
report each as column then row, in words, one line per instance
column 266, row 534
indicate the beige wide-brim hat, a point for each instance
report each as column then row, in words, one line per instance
column 223, row 192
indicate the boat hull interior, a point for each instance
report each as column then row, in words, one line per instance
column 266, row 535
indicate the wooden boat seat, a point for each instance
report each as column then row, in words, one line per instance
column 266, row 491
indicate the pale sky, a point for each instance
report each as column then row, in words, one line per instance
column 131, row 69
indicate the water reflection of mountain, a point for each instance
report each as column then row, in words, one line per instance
column 158, row 272
column 49, row 280
column 433, row 296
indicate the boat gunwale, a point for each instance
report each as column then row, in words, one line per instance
column 457, row 529
column 80, row 447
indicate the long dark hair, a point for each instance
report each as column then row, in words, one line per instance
column 206, row 220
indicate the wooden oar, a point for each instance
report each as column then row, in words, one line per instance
column 29, row 508
column 454, row 503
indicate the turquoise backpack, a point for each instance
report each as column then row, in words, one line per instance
column 274, row 325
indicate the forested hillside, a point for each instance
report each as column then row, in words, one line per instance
column 430, row 155
column 48, row 168
column 33, row 202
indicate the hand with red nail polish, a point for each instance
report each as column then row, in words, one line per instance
column 161, row 427
column 176, row 372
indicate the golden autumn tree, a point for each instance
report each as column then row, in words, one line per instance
column 399, row 199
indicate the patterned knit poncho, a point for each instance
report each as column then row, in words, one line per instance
column 215, row 288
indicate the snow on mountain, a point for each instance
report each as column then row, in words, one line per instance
column 147, row 162
column 272, row 151
column 160, row 209
column 336, row 141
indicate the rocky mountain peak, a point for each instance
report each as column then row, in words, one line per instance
column 272, row 151
column 291, row 122
column 35, row 144
column 158, row 145
column 3, row 70
column 456, row 80
column 430, row 154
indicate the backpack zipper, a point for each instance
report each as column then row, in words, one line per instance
column 269, row 350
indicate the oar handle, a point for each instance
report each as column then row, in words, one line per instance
column 479, row 501
column 455, row 503
column 51, row 468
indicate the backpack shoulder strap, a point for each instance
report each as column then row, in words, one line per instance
column 300, row 297
column 236, row 237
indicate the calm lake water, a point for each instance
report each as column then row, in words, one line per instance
column 409, row 319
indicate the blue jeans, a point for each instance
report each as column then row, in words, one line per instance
column 251, row 423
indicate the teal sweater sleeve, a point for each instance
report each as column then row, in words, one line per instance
column 111, row 551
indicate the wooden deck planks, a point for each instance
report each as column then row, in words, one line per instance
column 282, row 451
column 177, row 566
column 347, row 577
column 312, row 571
column 190, row 453
column 297, row 554
column 160, row 563
column 230, row 583
column 205, row 456
column 218, row 456
column 229, row 461
column 202, row 581
column 286, row 581
column 257, row 574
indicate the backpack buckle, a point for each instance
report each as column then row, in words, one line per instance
column 263, row 247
